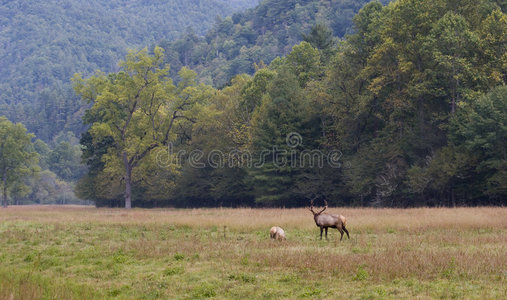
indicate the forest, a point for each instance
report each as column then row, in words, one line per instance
column 43, row 43
column 406, row 101
column 234, row 44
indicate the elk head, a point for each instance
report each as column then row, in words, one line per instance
column 317, row 213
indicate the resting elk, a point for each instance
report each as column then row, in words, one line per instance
column 324, row 221
column 277, row 233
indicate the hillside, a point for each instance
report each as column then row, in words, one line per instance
column 43, row 43
column 258, row 34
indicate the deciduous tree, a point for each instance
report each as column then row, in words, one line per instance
column 17, row 157
column 139, row 108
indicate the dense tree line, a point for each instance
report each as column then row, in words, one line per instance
column 408, row 109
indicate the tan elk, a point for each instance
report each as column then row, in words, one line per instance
column 277, row 233
column 324, row 221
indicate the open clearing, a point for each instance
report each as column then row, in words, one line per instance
column 87, row 253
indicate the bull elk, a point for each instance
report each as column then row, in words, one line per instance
column 324, row 221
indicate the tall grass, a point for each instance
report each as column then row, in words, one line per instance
column 82, row 252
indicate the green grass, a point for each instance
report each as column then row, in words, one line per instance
column 82, row 253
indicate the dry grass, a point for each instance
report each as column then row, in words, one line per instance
column 360, row 218
column 160, row 253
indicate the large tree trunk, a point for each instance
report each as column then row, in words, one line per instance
column 4, row 179
column 128, row 181
column 128, row 193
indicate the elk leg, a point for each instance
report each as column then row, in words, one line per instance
column 321, row 232
column 326, row 234
column 347, row 232
column 341, row 232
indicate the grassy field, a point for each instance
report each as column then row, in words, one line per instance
column 88, row 253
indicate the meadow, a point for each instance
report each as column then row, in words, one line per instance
column 73, row 252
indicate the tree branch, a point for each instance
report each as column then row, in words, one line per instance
column 138, row 156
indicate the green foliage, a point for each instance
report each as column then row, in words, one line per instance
column 178, row 256
column 17, row 159
column 204, row 291
column 54, row 183
column 45, row 43
column 271, row 29
column 361, row 274
column 65, row 161
column 138, row 110
column 226, row 118
column 304, row 62
column 480, row 131
column 321, row 38
column 48, row 188
column 284, row 114
column 403, row 99
column 393, row 91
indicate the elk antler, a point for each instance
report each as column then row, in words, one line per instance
column 325, row 207
column 311, row 204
